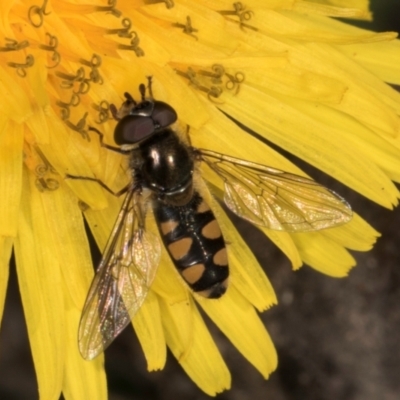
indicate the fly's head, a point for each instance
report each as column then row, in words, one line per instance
column 139, row 121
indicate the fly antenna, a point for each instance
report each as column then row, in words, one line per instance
column 142, row 90
column 129, row 98
column 114, row 112
column 150, row 86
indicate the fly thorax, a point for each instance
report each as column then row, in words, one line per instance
column 168, row 168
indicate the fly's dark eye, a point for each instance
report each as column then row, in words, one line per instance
column 132, row 129
column 163, row 114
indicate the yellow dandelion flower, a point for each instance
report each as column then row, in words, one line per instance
column 284, row 69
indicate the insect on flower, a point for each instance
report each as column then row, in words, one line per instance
column 163, row 165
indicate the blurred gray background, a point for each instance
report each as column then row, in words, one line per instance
column 336, row 339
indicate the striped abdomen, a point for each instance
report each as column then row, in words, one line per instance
column 195, row 243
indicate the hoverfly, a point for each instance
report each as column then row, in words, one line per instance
column 162, row 165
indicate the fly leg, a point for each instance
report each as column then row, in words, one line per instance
column 187, row 135
column 105, row 145
column 101, row 183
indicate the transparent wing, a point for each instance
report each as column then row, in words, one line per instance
column 122, row 280
column 274, row 198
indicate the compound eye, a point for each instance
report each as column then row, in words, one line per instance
column 133, row 129
column 163, row 114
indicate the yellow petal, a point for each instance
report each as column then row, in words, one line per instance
column 358, row 102
column 148, row 327
column 284, row 242
column 236, row 317
column 372, row 61
column 360, row 4
column 11, row 139
column 296, row 26
column 352, row 8
column 323, row 254
column 209, row 24
column 37, row 123
column 335, row 8
column 386, row 68
column 298, row 83
column 72, row 247
column 17, row 106
column 82, row 379
column 70, row 161
column 39, row 277
column 54, row 217
column 356, row 235
column 370, row 146
column 5, row 253
column 222, row 135
column 36, row 80
column 209, row 37
column 191, row 343
column 101, row 222
column 315, row 142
